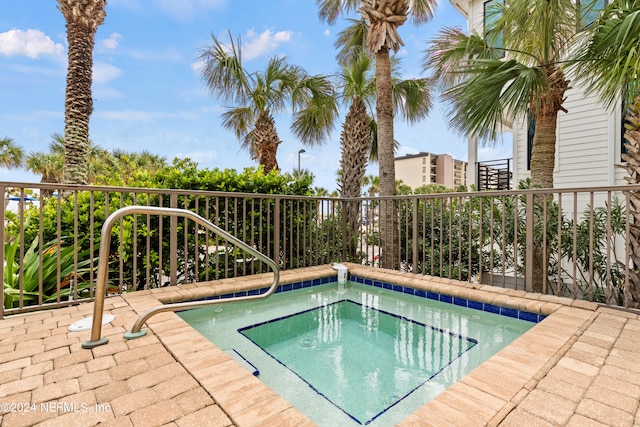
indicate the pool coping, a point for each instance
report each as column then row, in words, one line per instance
column 477, row 399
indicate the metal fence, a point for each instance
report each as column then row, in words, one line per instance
column 570, row 242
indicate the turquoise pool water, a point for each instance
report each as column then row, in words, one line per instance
column 356, row 355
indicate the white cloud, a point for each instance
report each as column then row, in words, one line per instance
column 111, row 43
column 501, row 151
column 104, row 73
column 29, row 43
column 259, row 44
column 327, row 32
column 404, row 150
column 197, row 66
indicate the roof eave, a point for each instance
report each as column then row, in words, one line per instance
column 461, row 6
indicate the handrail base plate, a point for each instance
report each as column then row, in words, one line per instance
column 92, row 344
column 134, row 335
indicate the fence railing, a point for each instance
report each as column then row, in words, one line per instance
column 570, row 242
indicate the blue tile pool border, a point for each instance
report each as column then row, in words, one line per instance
column 448, row 299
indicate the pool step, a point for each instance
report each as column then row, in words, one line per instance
column 242, row 361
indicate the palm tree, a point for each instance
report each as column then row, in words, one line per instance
column 11, row 154
column 83, row 19
column 373, row 184
column 358, row 88
column 302, row 174
column 50, row 165
column 517, row 69
column 259, row 95
column 412, row 98
column 47, row 165
column 384, row 18
column 610, row 65
column 358, row 139
column 126, row 163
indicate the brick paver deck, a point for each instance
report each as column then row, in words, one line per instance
column 578, row 367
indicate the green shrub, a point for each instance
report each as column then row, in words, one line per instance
column 136, row 243
column 53, row 254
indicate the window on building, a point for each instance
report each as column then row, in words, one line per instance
column 590, row 10
column 492, row 12
column 624, row 113
column 531, row 131
column 624, row 142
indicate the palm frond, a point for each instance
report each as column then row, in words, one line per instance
column 351, row 42
column 494, row 91
column 537, row 32
column 357, row 78
column 315, row 109
column 451, row 50
column 330, row 10
column 373, row 152
column 422, row 11
column 239, row 120
column 11, row 154
column 610, row 62
column 223, row 72
column 412, row 98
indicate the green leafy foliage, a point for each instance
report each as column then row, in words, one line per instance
column 462, row 237
column 453, row 238
column 140, row 244
column 58, row 265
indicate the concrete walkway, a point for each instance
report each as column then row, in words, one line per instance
column 578, row 367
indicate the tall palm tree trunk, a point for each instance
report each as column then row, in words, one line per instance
column 545, row 109
column 83, row 18
column 632, row 157
column 354, row 141
column 78, row 104
column 390, row 240
column 542, row 164
column 544, row 150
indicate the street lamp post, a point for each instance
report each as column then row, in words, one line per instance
column 300, row 151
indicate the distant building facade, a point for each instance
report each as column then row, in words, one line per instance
column 416, row 170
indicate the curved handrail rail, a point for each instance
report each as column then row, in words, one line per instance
column 101, row 279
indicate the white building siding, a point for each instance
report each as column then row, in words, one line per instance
column 584, row 143
column 520, row 151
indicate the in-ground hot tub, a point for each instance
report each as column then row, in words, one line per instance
column 369, row 352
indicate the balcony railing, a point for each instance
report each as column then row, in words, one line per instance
column 494, row 175
column 569, row 242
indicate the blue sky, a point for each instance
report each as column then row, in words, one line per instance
column 148, row 91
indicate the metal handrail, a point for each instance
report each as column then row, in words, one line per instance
column 101, row 280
